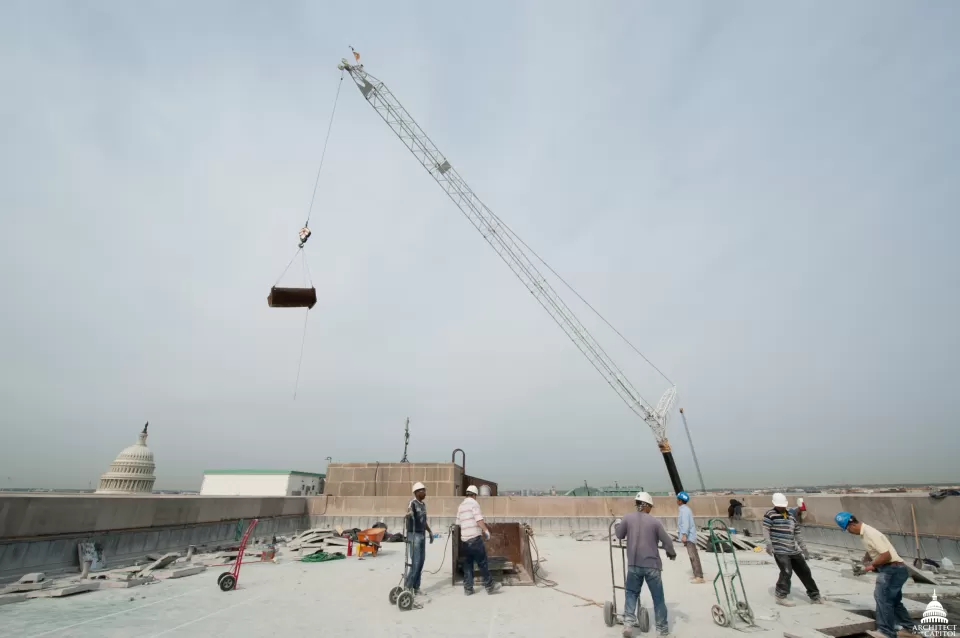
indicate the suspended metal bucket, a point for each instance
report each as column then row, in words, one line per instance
column 292, row 297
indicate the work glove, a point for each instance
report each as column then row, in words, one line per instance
column 431, row 539
column 672, row 556
column 770, row 549
column 806, row 555
column 486, row 535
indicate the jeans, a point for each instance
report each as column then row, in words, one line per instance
column 889, row 596
column 417, row 556
column 788, row 564
column 635, row 578
column 474, row 551
column 694, row 559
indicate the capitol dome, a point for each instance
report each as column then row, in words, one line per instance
column 934, row 613
column 132, row 471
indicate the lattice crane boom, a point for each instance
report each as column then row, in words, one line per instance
column 509, row 248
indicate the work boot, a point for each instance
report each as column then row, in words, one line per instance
column 816, row 601
column 785, row 603
column 627, row 631
column 468, row 592
column 698, row 580
column 494, row 588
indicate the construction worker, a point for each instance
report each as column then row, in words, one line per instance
column 882, row 558
column 687, row 532
column 417, row 530
column 642, row 532
column 473, row 531
column 785, row 544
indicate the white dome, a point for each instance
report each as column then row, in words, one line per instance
column 934, row 613
column 132, row 471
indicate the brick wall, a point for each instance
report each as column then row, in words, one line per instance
column 392, row 479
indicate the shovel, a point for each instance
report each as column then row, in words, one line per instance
column 917, row 562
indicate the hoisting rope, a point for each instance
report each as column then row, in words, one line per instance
column 323, row 154
column 305, row 235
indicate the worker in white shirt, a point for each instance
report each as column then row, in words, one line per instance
column 473, row 531
column 893, row 619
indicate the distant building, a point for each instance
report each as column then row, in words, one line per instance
column 617, row 490
column 261, row 483
column 132, row 471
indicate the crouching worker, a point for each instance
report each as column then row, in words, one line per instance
column 642, row 532
column 891, row 576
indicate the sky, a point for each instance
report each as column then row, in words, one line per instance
column 762, row 197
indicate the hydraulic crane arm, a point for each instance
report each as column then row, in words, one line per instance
column 510, row 250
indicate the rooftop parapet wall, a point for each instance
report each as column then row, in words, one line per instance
column 35, row 515
column 888, row 513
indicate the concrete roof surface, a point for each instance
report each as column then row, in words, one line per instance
column 349, row 598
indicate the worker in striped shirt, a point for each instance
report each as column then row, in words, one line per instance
column 785, row 544
column 473, row 531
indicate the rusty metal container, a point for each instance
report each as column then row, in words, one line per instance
column 508, row 554
column 292, row 297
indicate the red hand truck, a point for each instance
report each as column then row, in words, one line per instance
column 228, row 580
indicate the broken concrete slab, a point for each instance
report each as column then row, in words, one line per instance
column 918, row 576
column 34, row 577
column 160, row 563
column 26, row 587
column 7, row 599
column 69, row 590
column 180, row 572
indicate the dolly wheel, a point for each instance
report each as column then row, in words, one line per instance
column 227, row 582
column 643, row 620
column 718, row 616
column 405, row 601
column 394, row 594
column 608, row 614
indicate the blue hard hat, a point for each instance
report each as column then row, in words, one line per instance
column 843, row 519
column 683, row 496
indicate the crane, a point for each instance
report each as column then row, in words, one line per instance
column 510, row 249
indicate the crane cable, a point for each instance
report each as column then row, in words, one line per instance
column 579, row 296
column 306, row 225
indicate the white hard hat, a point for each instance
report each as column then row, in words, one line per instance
column 643, row 497
column 779, row 500
column 418, row 486
column 473, row 490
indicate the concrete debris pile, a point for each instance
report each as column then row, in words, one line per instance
column 160, row 567
column 728, row 542
column 340, row 541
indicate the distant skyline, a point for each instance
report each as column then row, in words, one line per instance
column 763, row 198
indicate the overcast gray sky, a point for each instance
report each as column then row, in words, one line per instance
column 764, row 198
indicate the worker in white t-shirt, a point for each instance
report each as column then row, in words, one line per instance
column 473, row 531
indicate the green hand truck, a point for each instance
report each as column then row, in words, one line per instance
column 732, row 606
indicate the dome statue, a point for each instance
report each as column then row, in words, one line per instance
column 132, row 471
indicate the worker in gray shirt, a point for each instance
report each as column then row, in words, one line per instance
column 643, row 532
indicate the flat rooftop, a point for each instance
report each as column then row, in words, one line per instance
column 349, row 598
